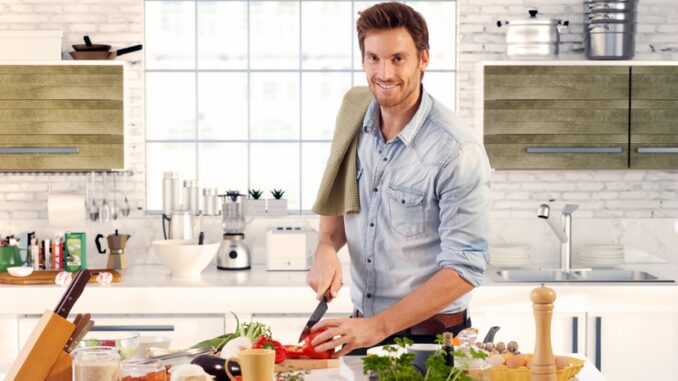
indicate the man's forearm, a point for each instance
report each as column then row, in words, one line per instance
column 438, row 292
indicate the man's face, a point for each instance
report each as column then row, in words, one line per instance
column 393, row 67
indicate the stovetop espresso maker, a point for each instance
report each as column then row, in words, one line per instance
column 116, row 244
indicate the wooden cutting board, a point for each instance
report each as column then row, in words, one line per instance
column 47, row 277
column 306, row 364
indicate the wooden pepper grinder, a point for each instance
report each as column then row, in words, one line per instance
column 543, row 362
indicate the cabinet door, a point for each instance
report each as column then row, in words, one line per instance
column 9, row 340
column 654, row 117
column 628, row 346
column 567, row 330
column 556, row 117
column 183, row 330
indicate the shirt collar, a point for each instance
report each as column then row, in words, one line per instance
column 407, row 135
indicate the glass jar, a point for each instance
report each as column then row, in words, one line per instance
column 136, row 370
column 96, row 364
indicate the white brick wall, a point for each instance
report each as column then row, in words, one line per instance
column 601, row 194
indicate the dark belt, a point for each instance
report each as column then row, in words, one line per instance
column 432, row 326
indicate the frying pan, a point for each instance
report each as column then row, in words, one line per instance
column 88, row 46
column 103, row 55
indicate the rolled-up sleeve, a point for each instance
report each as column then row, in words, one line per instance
column 463, row 191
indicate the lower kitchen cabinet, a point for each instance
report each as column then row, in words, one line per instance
column 568, row 333
column 634, row 345
column 183, row 329
column 9, row 337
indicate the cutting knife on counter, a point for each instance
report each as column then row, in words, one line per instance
column 315, row 318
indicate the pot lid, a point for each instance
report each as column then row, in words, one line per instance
column 533, row 20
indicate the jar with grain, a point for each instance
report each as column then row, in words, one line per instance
column 96, row 364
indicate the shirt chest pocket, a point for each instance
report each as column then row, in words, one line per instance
column 406, row 210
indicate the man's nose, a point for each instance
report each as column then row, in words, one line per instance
column 386, row 69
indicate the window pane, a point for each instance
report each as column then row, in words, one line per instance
column 222, row 105
column 170, row 106
column 359, row 78
column 274, row 34
column 166, row 157
column 442, row 87
column 223, row 166
column 222, row 35
column 276, row 166
column 275, row 106
column 313, row 158
column 170, row 35
column 321, row 98
column 326, row 37
column 440, row 17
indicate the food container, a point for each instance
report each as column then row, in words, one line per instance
column 143, row 370
column 536, row 38
column 124, row 343
column 504, row 373
column 610, row 5
column 610, row 41
column 96, row 364
column 30, row 45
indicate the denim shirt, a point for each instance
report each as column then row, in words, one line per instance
column 425, row 199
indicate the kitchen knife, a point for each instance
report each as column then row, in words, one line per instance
column 315, row 317
column 72, row 293
column 76, row 339
column 80, row 324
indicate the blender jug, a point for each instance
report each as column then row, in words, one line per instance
column 233, row 253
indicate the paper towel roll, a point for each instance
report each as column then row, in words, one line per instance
column 66, row 210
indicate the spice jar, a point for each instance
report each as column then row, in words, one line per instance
column 143, row 370
column 96, row 364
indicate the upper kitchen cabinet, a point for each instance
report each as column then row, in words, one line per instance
column 654, row 116
column 556, row 116
column 61, row 117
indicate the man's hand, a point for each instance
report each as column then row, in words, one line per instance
column 348, row 333
column 325, row 273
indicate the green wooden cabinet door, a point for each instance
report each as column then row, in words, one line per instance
column 654, row 117
column 61, row 117
column 556, row 117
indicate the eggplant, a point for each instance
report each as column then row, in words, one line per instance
column 215, row 366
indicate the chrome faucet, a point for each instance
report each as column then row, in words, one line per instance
column 564, row 231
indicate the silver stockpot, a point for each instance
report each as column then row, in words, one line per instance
column 533, row 37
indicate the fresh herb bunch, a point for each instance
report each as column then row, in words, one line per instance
column 250, row 329
column 392, row 368
column 255, row 193
column 277, row 193
column 291, row 375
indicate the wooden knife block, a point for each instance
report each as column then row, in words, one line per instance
column 43, row 356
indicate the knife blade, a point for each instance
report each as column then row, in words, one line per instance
column 72, row 293
column 315, row 317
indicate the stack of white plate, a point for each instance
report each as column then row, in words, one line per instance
column 602, row 255
column 510, row 256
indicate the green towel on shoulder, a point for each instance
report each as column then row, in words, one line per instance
column 338, row 192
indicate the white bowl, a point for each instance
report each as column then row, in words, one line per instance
column 20, row 271
column 185, row 258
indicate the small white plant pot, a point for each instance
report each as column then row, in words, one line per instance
column 277, row 207
column 257, row 207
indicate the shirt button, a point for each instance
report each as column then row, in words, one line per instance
column 371, row 224
column 369, row 260
column 379, row 151
column 368, row 296
column 402, row 201
column 375, row 189
column 385, row 159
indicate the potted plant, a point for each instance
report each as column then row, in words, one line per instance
column 277, row 206
column 256, row 204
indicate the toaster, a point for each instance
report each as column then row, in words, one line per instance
column 290, row 248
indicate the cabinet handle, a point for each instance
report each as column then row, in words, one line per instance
column 139, row 328
column 574, row 149
column 575, row 334
column 599, row 328
column 657, row 149
column 39, row 150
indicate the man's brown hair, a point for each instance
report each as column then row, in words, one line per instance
column 391, row 16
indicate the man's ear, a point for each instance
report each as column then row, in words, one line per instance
column 423, row 59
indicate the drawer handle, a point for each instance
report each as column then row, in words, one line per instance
column 39, row 150
column 138, row 328
column 657, row 149
column 574, row 149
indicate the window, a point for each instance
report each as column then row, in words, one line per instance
column 244, row 94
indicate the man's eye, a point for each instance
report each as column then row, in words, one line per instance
column 397, row 59
column 372, row 58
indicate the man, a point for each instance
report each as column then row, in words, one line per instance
column 418, row 245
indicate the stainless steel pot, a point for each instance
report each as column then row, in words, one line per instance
column 533, row 37
column 609, row 5
column 610, row 41
column 610, row 17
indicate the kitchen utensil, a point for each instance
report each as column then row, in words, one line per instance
column 315, row 317
column 610, row 5
column 114, row 209
column 72, row 293
column 125, row 205
column 610, row 17
column 192, row 197
column 290, row 248
column 233, row 253
column 255, row 364
column 104, row 55
column 609, row 29
column 306, row 364
column 181, row 225
column 89, row 46
column 20, row 271
column 125, row 342
column 533, row 37
column 80, row 322
column 96, row 364
column 105, row 209
column 9, row 257
column 48, row 277
column 78, row 338
column 116, row 244
column 489, row 338
column 185, row 258
column 210, row 202
column 201, row 238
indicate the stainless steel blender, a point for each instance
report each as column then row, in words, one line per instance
column 233, row 253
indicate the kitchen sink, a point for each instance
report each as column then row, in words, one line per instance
column 611, row 275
